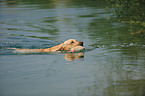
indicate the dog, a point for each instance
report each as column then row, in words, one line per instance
column 70, row 45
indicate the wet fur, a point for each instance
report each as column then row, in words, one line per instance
column 68, row 45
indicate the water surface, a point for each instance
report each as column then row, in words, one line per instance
column 113, row 63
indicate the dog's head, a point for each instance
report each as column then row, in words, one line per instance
column 71, row 43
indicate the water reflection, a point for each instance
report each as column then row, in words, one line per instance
column 132, row 87
column 73, row 56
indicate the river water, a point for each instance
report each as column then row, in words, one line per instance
column 113, row 63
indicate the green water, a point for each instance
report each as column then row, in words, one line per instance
column 113, row 63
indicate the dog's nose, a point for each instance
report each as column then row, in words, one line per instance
column 81, row 43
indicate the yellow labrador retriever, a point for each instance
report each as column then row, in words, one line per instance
column 70, row 45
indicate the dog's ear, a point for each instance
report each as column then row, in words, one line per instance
column 61, row 47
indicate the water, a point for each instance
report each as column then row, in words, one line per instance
column 113, row 63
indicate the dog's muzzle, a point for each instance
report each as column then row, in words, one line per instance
column 81, row 43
